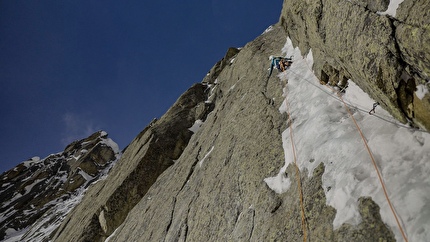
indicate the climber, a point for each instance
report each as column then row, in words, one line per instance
column 281, row 63
column 285, row 63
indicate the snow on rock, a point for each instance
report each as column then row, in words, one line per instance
column 31, row 161
column 85, row 175
column 12, row 235
column 324, row 132
column 392, row 8
column 109, row 142
column 212, row 88
column 196, row 126
column 422, row 90
column 206, row 156
column 270, row 28
column 280, row 183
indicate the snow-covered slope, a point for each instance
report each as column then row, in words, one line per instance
column 36, row 195
column 323, row 131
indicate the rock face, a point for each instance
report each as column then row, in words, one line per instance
column 38, row 193
column 175, row 185
column 156, row 148
column 196, row 174
column 386, row 56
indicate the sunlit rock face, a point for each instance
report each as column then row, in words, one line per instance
column 221, row 139
column 198, row 173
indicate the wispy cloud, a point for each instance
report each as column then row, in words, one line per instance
column 76, row 127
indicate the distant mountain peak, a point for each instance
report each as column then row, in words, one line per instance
column 36, row 186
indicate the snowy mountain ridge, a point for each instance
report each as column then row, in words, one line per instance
column 37, row 194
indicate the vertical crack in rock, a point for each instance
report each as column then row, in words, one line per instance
column 171, row 215
column 191, row 171
column 252, row 224
column 277, row 206
column 184, row 228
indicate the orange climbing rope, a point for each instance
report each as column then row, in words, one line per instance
column 371, row 157
column 375, row 166
column 302, row 208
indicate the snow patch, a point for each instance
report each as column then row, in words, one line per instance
column 212, row 88
column 206, row 156
column 12, row 235
column 31, row 162
column 196, row 126
column 280, row 183
column 29, row 187
column 5, row 185
column 111, row 236
column 392, row 8
column 324, row 132
column 422, row 90
column 85, row 175
column 109, row 142
column 270, row 28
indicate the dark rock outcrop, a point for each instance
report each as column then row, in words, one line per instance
column 387, row 57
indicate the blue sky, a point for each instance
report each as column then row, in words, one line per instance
column 70, row 68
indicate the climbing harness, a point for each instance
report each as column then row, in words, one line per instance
column 276, row 62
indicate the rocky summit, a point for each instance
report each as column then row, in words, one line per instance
column 198, row 172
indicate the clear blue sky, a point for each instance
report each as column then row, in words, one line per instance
column 70, row 68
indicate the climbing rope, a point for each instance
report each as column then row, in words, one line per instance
column 302, row 208
column 372, row 159
column 376, row 168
